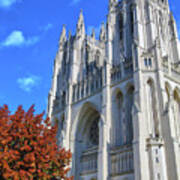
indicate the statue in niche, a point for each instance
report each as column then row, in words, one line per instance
column 153, row 122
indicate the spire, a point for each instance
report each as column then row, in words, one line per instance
column 112, row 3
column 93, row 35
column 69, row 35
column 63, row 36
column 80, row 29
column 102, row 36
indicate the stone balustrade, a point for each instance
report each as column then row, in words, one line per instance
column 171, row 69
column 122, row 162
column 89, row 162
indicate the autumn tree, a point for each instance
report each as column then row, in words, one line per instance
column 28, row 147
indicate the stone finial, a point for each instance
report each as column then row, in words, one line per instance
column 102, row 36
column 112, row 3
column 63, row 36
column 80, row 29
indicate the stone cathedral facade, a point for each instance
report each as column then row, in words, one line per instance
column 116, row 99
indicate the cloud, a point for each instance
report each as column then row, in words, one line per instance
column 17, row 39
column 74, row 2
column 29, row 82
column 48, row 27
column 7, row 3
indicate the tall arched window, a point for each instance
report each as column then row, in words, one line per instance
column 119, row 120
column 129, row 123
column 97, row 58
column 121, row 26
column 152, row 111
column 132, row 20
column 94, row 132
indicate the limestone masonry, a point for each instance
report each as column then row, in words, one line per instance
column 117, row 99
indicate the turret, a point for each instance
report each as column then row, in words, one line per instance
column 93, row 35
column 102, row 35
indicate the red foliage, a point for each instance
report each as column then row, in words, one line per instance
column 28, row 149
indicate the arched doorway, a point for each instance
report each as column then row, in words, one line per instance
column 87, row 141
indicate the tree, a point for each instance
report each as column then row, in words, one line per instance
column 28, row 147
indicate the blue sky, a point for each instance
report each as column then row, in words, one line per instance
column 29, row 34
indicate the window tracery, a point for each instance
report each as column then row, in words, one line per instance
column 129, row 123
column 119, row 122
column 94, row 132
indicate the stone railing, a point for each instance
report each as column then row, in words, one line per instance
column 89, row 161
column 174, row 68
column 122, row 161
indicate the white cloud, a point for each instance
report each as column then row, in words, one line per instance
column 74, row 2
column 48, row 27
column 16, row 38
column 29, row 82
column 7, row 3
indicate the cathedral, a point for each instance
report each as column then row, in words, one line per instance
column 116, row 98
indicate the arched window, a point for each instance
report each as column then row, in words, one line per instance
column 152, row 111
column 94, row 132
column 146, row 62
column 63, row 100
column 129, row 123
column 120, row 26
column 97, row 58
column 132, row 20
column 119, row 131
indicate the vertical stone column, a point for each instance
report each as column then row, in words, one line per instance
column 172, row 148
column 141, row 161
column 104, row 127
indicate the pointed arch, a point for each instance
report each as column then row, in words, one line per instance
column 121, row 25
column 118, row 118
column 97, row 57
column 176, row 108
column 128, row 121
column 86, row 139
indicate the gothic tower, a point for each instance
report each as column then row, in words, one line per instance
column 116, row 99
